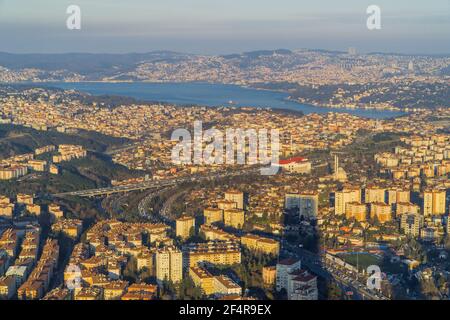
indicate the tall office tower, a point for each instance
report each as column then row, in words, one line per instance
column 434, row 202
column 348, row 194
column 375, row 194
column 169, row 265
column 235, row 196
column 184, row 226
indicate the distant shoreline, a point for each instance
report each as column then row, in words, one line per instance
column 314, row 108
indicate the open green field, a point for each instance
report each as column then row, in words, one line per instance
column 362, row 260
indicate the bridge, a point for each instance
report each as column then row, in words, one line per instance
column 152, row 184
column 117, row 189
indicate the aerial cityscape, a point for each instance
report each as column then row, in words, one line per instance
column 319, row 173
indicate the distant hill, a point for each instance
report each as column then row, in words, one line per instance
column 84, row 63
column 279, row 65
column 258, row 54
column 105, row 64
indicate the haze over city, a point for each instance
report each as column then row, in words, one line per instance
column 220, row 27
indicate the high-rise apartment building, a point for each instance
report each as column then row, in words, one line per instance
column 356, row 210
column 212, row 215
column 348, row 194
column 434, row 202
column 184, row 226
column 381, row 211
column 398, row 195
column 284, row 268
column 411, row 224
column 307, row 203
column 375, row 194
column 406, row 207
column 234, row 218
column 169, row 265
column 235, row 196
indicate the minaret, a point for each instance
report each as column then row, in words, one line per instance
column 336, row 166
column 291, row 146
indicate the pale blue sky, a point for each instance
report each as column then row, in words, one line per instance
column 224, row 26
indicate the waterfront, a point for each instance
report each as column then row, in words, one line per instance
column 208, row 94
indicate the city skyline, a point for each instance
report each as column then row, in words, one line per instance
column 199, row 150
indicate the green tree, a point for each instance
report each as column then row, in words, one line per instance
column 131, row 273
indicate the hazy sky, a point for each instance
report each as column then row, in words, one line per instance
column 224, row 26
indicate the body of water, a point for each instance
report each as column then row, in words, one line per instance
column 207, row 94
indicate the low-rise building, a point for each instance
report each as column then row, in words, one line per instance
column 224, row 286
column 215, row 252
column 141, row 291
column 89, row 293
column 114, row 290
column 269, row 275
column 261, row 244
column 25, row 198
column 203, row 279
column 7, row 287
column 7, row 210
column 297, row 165
column 34, row 209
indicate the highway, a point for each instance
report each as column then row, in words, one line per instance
column 152, row 184
column 113, row 204
column 120, row 189
column 132, row 145
column 309, row 259
column 145, row 203
column 165, row 212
